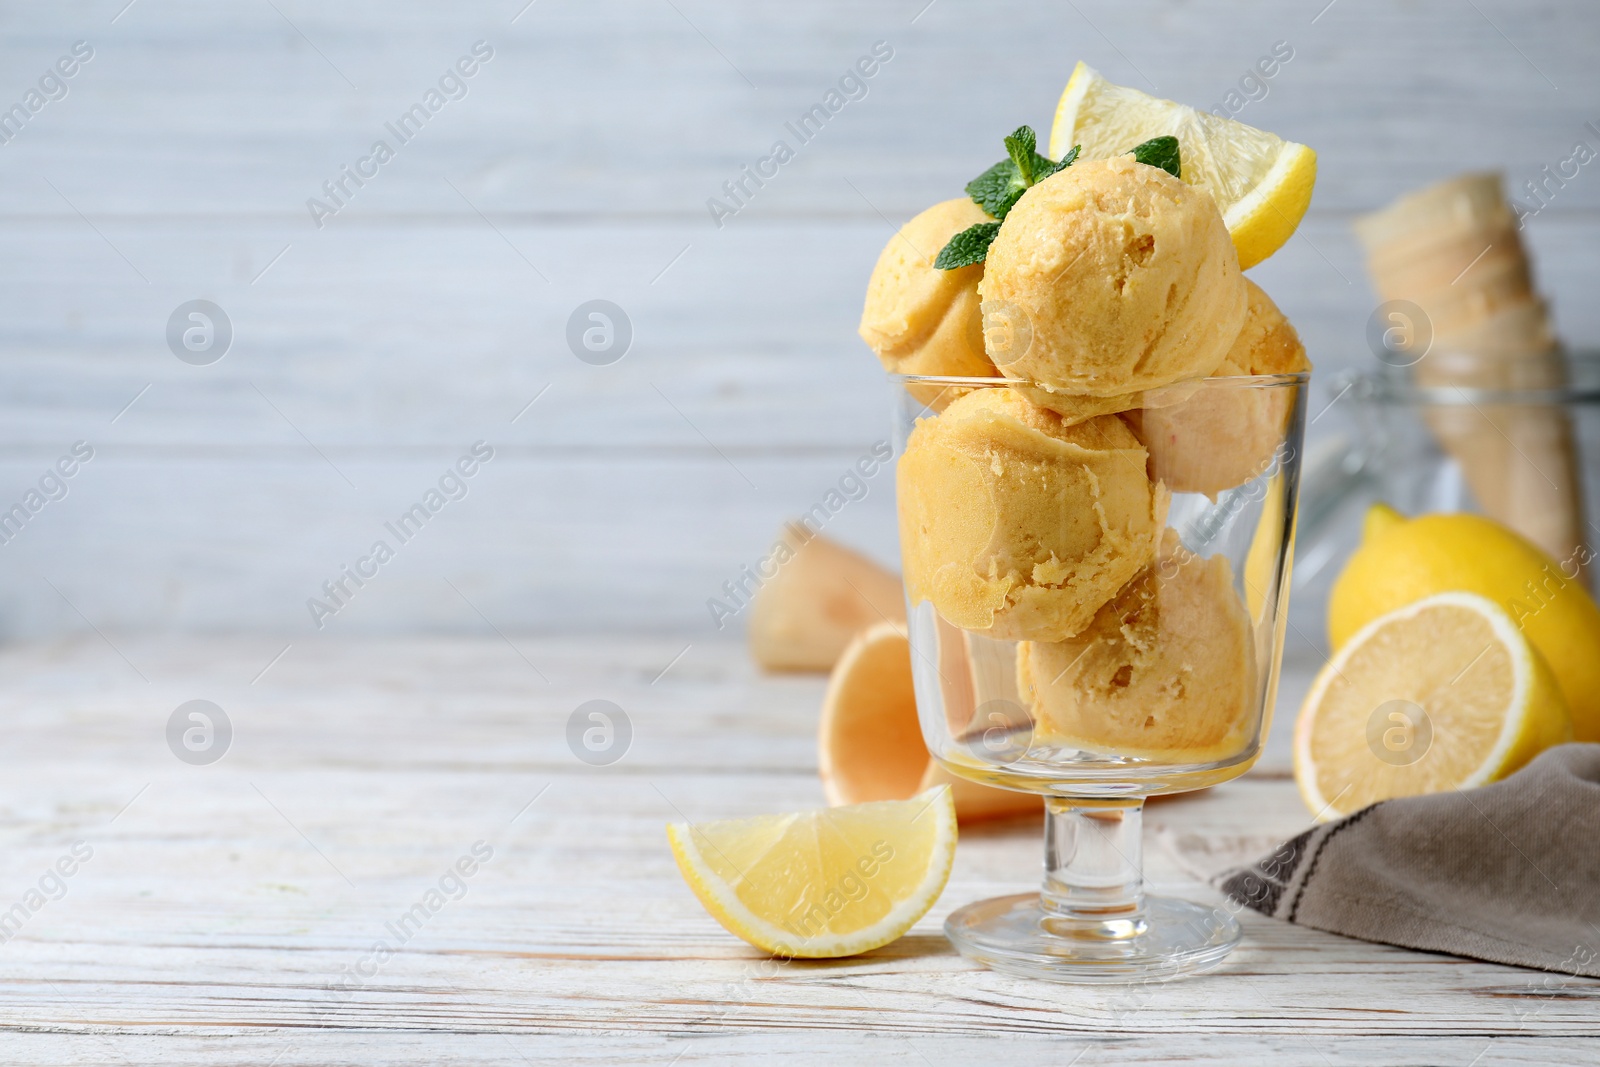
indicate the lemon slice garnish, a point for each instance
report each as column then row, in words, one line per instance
column 1261, row 183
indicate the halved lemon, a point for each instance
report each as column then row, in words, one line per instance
column 1445, row 693
column 1402, row 560
column 1261, row 183
column 819, row 884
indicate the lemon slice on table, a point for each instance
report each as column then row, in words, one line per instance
column 820, row 884
column 1445, row 693
column 1261, row 183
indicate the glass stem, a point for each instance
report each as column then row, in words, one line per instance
column 1094, row 869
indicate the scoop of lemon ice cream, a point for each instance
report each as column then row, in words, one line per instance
column 1112, row 277
column 1015, row 525
column 1074, row 408
column 1225, row 434
column 1165, row 671
column 917, row 318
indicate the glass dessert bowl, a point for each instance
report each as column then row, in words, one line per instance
column 1097, row 597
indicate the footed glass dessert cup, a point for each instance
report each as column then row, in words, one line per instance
column 1097, row 593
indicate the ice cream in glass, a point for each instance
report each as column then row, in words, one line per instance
column 1095, row 540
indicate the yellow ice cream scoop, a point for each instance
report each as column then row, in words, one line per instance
column 1224, row 436
column 1165, row 671
column 1112, row 276
column 917, row 318
column 1018, row 526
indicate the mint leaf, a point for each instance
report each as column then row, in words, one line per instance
column 997, row 191
column 1043, row 168
column 1009, row 203
column 1033, row 168
column 1020, row 147
column 1063, row 163
column 969, row 246
column 997, row 188
column 1159, row 152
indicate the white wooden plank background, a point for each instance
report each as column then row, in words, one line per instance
column 372, row 352
column 417, row 320
column 221, row 901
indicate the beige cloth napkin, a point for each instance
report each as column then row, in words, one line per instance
column 1508, row 873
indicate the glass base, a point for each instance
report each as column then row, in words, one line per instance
column 1169, row 938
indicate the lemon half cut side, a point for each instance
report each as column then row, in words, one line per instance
column 1445, row 693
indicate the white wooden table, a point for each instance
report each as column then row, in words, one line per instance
column 221, row 904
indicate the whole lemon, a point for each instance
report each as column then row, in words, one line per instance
column 1402, row 560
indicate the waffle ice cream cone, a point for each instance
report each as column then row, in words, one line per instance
column 1515, row 334
column 1430, row 217
column 1454, row 251
column 821, row 596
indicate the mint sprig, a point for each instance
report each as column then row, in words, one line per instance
column 969, row 246
column 1020, row 146
column 997, row 188
column 1159, row 152
column 997, row 191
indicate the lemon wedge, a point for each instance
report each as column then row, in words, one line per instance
column 1261, row 183
column 821, row 884
column 1445, row 693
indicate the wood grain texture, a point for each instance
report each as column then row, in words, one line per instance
column 428, row 311
column 619, row 109
column 222, row 902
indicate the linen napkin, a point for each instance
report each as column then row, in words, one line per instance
column 1508, row 873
